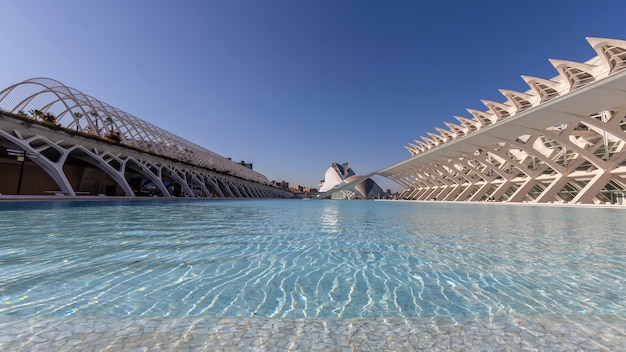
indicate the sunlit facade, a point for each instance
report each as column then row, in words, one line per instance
column 73, row 144
column 339, row 175
column 563, row 141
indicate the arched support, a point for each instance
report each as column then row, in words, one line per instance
column 146, row 171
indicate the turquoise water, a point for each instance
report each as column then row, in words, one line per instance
column 310, row 258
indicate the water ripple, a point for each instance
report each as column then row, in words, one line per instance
column 322, row 259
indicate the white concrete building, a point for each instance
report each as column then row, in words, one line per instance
column 69, row 143
column 563, row 140
column 339, row 175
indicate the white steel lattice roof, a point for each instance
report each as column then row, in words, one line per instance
column 73, row 110
column 572, row 76
column 562, row 140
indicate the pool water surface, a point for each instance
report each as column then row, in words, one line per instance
column 297, row 259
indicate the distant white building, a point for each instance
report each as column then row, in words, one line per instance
column 340, row 174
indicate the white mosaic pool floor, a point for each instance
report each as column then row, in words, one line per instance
column 306, row 276
column 578, row 333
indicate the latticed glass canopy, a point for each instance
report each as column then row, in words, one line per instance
column 52, row 101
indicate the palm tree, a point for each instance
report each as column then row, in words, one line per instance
column 115, row 136
column 77, row 116
column 112, row 134
column 95, row 115
column 35, row 113
column 48, row 117
column 44, row 116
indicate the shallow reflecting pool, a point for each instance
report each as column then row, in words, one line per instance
column 340, row 261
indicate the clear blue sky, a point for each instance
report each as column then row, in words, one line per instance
column 291, row 85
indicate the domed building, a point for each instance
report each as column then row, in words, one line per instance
column 340, row 174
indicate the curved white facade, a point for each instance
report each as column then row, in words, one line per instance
column 339, row 175
column 75, row 145
column 80, row 112
column 335, row 176
column 563, row 140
